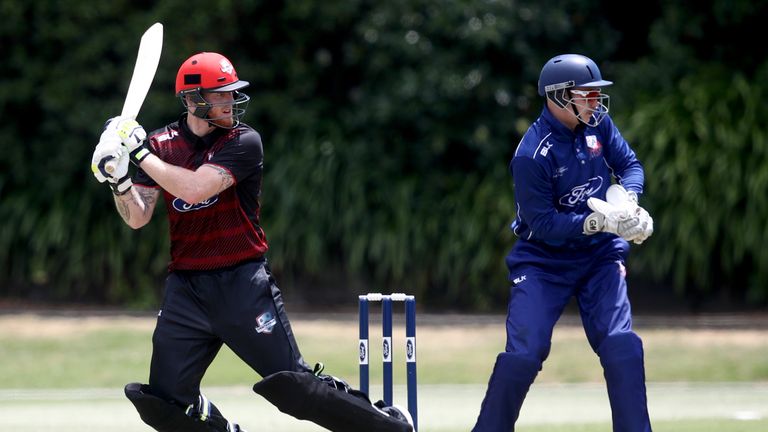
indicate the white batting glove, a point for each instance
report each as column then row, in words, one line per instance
column 121, row 182
column 109, row 148
column 133, row 137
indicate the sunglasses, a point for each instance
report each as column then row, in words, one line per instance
column 587, row 94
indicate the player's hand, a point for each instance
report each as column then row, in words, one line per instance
column 109, row 149
column 627, row 200
column 120, row 181
column 646, row 221
column 620, row 215
column 610, row 218
column 133, row 136
column 121, row 186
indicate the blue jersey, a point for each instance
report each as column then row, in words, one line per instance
column 555, row 171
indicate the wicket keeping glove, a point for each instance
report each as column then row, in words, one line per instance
column 620, row 215
column 620, row 197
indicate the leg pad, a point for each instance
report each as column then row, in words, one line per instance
column 306, row 397
column 161, row 415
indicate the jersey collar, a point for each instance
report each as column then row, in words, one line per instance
column 197, row 142
column 558, row 128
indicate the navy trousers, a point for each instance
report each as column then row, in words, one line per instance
column 544, row 279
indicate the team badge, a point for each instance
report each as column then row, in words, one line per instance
column 265, row 323
column 226, row 67
column 594, row 147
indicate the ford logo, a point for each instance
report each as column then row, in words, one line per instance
column 182, row 206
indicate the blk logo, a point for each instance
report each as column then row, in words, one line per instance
column 545, row 149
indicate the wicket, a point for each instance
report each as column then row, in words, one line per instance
column 386, row 329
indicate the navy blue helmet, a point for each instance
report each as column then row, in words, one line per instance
column 570, row 70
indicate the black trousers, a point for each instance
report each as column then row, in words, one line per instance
column 240, row 306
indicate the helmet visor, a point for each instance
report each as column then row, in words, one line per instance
column 593, row 102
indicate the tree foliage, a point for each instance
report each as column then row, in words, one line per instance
column 388, row 127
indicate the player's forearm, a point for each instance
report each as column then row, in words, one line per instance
column 133, row 208
column 178, row 181
column 556, row 226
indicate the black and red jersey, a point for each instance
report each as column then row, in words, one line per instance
column 223, row 230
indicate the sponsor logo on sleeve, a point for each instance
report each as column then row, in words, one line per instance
column 166, row 136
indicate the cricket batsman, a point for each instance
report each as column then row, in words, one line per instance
column 577, row 183
column 208, row 167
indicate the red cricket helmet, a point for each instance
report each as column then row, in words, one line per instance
column 207, row 72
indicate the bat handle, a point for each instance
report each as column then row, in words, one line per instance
column 110, row 166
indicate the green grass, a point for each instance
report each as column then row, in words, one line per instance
column 102, row 354
column 67, row 353
column 708, row 425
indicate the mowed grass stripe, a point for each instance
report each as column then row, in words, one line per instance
column 60, row 352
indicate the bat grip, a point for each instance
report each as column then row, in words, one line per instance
column 110, row 166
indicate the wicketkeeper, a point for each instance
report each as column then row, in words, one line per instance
column 573, row 227
column 208, row 167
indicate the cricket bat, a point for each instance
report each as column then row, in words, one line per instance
column 147, row 60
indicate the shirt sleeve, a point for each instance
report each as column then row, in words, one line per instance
column 535, row 198
column 243, row 156
column 622, row 160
